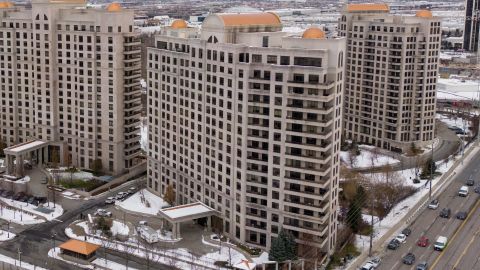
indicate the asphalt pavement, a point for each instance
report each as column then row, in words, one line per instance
column 429, row 224
column 35, row 241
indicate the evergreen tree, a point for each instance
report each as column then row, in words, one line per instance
column 354, row 216
column 97, row 167
column 283, row 247
column 429, row 168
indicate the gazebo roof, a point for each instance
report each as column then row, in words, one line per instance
column 79, row 247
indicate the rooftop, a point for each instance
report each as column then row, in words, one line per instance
column 32, row 145
column 187, row 211
column 79, row 247
column 264, row 18
column 368, row 7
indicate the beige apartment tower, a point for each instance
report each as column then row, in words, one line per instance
column 391, row 76
column 69, row 76
column 247, row 119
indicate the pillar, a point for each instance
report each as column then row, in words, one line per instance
column 40, row 156
column 9, row 161
column 174, row 230
column 209, row 223
column 178, row 230
column 19, row 166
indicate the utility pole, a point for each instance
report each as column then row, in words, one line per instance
column 19, row 257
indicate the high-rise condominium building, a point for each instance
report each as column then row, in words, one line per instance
column 391, row 76
column 247, row 119
column 69, row 76
column 472, row 25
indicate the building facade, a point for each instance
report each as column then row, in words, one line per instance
column 391, row 76
column 247, row 119
column 472, row 25
column 69, row 75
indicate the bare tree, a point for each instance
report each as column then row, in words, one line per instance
column 352, row 158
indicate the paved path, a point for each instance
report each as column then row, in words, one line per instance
column 449, row 144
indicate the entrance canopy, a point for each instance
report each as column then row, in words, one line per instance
column 187, row 212
column 178, row 214
column 25, row 147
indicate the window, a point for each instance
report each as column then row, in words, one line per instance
column 265, row 42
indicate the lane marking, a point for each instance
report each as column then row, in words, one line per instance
column 466, row 249
column 455, row 234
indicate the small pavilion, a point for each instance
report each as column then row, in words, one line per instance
column 187, row 212
column 15, row 155
column 79, row 250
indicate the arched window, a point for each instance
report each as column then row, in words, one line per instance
column 37, row 17
column 45, row 17
column 212, row 39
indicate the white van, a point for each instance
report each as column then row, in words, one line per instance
column 441, row 243
column 463, row 191
column 148, row 234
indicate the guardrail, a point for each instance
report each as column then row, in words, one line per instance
column 415, row 210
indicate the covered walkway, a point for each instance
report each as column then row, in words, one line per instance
column 187, row 212
column 36, row 151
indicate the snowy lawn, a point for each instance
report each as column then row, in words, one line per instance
column 364, row 160
column 4, row 235
column 18, row 217
column 178, row 257
column 167, row 236
column 135, row 203
column 101, row 262
column 119, row 228
column 55, row 212
column 452, row 121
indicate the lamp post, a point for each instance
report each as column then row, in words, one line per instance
column 19, row 257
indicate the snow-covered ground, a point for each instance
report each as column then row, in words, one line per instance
column 55, row 253
column 364, row 160
column 167, row 236
column 18, row 217
column 63, row 175
column 57, row 210
column 119, row 228
column 101, row 262
column 454, row 121
column 4, row 235
column 134, row 203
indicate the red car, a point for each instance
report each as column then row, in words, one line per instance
column 422, row 242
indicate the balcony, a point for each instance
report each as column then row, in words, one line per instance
column 311, row 84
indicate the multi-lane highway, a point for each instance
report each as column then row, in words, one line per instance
column 463, row 236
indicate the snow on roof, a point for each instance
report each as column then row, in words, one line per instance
column 187, row 210
column 457, row 95
column 26, row 146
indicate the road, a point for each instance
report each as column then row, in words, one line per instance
column 449, row 144
column 35, row 241
column 429, row 224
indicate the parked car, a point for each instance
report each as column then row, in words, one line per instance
column 31, row 199
column 142, row 222
column 401, row 238
column 406, row 231
column 4, row 193
column 462, row 215
column 132, row 190
column 423, row 241
column 41, row 199
column 433, row 204
column 9, row 194
column 103, row 213
column 409, row 259
column 24, row 198
column 18, row 196
column 367, row 266
column 445, row 213
column 121, row 195
column 148, row 234
column 422, row 266
column 393, row 244
column 110, row 200
column 44, row 181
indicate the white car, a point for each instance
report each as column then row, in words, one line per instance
column 103, row 213
column 368, row 266
column 433, row 204
column 401, row 238
column 375, row 261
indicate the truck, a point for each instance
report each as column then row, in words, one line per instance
column 440, row 244
column 463, row 191
column 148, row 234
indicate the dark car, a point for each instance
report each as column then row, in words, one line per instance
column 422, row 266
column 31, row 199
column 470, row 182
column 24, row 198
column 477, row 189
column 4, row 193
column 394, row 244
column 407, row 231
column 9, row 194
column 445, row 213
column 462, row 215
column 409, row 259
column 18, row 196
column 41, row 199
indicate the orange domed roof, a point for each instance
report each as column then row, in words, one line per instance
column 313, row 32
column 178, row 24
column 114, row 7
column 424, row 14
column 6, row 4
